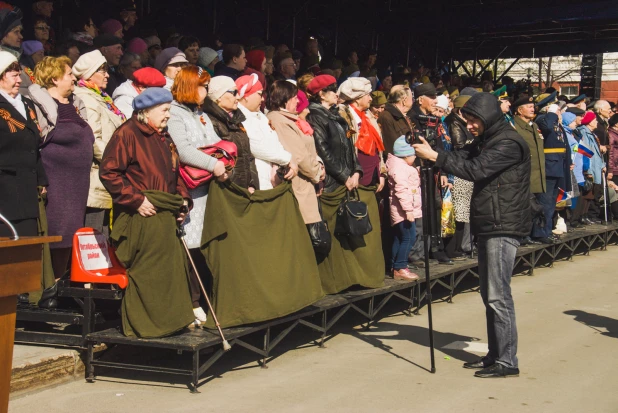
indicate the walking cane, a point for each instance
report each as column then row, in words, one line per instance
column 604, row 196
column 226, row 345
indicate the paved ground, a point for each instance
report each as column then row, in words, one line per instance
column 568, row 326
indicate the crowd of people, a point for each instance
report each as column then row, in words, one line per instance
column 97, row 122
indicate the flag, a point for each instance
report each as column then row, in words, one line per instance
column 584, row 151
column 562, row 195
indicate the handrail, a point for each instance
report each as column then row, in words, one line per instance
column 15, row 236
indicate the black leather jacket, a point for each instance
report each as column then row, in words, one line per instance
column 333, row 145
column 499, row 166
column 460, row 136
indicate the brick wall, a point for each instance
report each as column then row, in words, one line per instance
column 609, row 90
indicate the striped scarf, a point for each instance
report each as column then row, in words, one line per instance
column 106, row 98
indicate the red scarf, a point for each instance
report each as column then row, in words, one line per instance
column 368, row 141
column 304, row 127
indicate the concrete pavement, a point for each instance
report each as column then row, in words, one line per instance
column 568, row 351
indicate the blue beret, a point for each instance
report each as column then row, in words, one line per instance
column 150, row 97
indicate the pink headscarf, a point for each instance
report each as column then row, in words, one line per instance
column 248, row 85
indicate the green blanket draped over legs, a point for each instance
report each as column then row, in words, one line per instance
column 260, row 255
column 157, row 301
column 352, row 260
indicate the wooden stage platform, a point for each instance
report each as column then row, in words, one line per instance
column 205, row 345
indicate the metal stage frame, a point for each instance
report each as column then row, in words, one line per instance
column 367, row 302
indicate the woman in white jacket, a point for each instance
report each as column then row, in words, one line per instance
column 265, row 145
column 190, row 129
column 143, row 78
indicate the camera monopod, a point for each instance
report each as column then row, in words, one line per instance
column 431, row 223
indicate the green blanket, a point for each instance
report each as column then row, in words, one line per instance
column 259, row 252
column 352, row 260
column 157, row 301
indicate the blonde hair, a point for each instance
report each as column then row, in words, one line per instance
column 304, row 81
column 50, row 68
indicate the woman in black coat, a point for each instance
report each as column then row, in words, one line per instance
column 330, row 134
column 21, row 169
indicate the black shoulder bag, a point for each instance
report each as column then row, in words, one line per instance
column 353, row 216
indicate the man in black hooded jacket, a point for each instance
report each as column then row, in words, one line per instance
column 498, row 163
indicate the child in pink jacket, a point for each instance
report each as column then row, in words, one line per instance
column 405, row 200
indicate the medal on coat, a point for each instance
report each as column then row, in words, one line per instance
column 34, row 119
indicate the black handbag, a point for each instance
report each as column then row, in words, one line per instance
column 588, row 184
column 320, row 235
column 353, row 216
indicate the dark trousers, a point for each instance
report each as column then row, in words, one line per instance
column 581, row 208
column 405, row 236
column 61, row 258
column 496, row 262
column 548, row 200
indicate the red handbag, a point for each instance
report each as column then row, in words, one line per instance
column 224, row 151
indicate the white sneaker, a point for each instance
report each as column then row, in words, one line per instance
column 557, row 231
column 200, row 315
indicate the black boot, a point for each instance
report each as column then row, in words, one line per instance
column 49, row 298
column 23, row 298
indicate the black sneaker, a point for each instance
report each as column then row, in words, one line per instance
column 545, row 240
column 497, row 371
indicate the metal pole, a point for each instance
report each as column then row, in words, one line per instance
column 336, row 35
column 214, row 17
column 293, row 31
column 408, row 52
column 268, row 23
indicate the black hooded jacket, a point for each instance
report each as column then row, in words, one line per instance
column 499, row 166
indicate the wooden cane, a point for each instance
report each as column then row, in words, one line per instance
column 226, row 345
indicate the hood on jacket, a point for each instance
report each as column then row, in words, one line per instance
column 486, row 107
column 125, row 89
column 44, row 101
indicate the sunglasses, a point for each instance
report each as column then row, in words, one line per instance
column 233, row 92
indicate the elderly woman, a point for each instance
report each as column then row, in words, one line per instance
column 21, row 168
column 140, row 170
column 66, row 150
column 208, row 59
column 189, row 130
column 127, row 91
column 596, row 167
column 83, row 30
column 169, row 62
column 129, row 63
column 41, row 33
column 104, row 118
column 365, row 132
column 282, row 105
column 222, row 109
column 352, row 260
column 330, row 134
column 265, row 145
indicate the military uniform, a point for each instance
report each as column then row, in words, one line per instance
column 557, row 169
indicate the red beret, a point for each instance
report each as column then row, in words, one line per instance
column 255, row 58
column 148, row 77
column 320, row 82
column 588, row 117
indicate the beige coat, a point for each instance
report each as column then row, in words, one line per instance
column 302, row 148
column 103, row 123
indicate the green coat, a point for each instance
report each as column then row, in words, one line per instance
column 534, row 139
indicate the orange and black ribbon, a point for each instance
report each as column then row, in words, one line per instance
column 12, row 122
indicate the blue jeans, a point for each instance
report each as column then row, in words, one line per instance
column 548, row 200
column 496, row 262
column 405, row 236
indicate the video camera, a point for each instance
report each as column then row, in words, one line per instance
column 426, row 127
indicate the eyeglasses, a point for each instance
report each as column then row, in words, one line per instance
column 233, row 92
column 45, row 28
column 103, row 69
